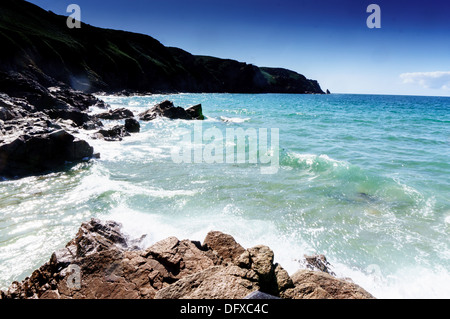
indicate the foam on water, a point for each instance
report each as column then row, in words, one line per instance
column 360, row 180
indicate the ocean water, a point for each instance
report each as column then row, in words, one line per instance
column 363, row 179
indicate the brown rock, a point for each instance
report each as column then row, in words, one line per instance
column 224, row 246
column 102, row 263
column 216, row 282
column 320, row 285
column 318, row 262
column 180, row 258
column 96, row 235
column 282, row 278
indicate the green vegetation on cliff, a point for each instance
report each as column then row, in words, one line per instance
column 92, row 59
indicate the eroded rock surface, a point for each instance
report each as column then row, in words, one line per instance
column 102, row 263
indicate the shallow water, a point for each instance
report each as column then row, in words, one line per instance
column 363, row 179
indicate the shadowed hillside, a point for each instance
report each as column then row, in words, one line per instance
column 38, row 43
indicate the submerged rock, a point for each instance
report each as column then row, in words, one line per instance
column 103, row 263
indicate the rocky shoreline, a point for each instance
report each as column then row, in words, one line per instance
column 101, row 262
column 39, row 124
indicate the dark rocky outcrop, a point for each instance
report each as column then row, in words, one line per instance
column 116, row 114
column 195, row 112
column 101, row 262
column 116, row 133
column 167, row 109
column 34, row 145
column 93, row 59
column 38, row 126
column 132, row 126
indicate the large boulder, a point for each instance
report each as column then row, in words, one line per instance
column 224, row 246
column 132, row 126
column 40, row 150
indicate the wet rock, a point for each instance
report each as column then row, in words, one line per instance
column 116, row 114
column 78, row 117
column 117, row 133
column 132, row 126
column 318, row 263
column 195, row 112
column 95, row 236
column 167, row 109
column 39, row 150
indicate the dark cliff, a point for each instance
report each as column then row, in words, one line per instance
column 38, row 43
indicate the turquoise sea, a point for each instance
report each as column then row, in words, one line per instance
column 363, row 179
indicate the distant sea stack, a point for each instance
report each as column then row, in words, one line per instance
column 39, row 44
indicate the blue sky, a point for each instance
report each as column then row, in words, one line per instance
column 326, row 40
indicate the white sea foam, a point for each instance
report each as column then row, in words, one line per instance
column 234, row 119
column 406, row 282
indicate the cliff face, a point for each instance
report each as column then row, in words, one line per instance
column 92, row 59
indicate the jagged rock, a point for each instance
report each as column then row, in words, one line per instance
column 167, row 109
column 92, row 124
column 181, row 257
column 195, row 112
column 13, row 108
column 102, row 262
column 283, row 281
column 272, row 277
column 318, row 262
column 95, row 236
column 216, row 282
column 132, row 126
column 224, row 246
column 41, row 150
column 116, row 114
column 27, row 86
column 76, row 116
column 319, row 285
column 117, row 133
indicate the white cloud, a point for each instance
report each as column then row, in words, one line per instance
column 429, row 80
